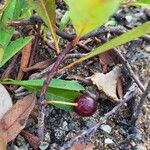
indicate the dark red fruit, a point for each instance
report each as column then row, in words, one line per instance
column 86, row 105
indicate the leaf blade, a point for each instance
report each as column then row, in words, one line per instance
column 46, row 10
column 92, row 13
column 122, row 39
column 58, row 90
column 14, row 47
column 1, row 53
column 15, row 119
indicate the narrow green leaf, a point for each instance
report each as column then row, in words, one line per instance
column 122, row 39
column 1, row 53
column 5, row 36
column 86, row 15
column 64, row 21
column 46, row 10
column 55, row 83
column 13, row 48
column 11, row 11
column 61, row 90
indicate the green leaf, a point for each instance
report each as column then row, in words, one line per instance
column 14, row 47
column 11, row 11
column 64, row 21
column 122, row 39
column 46, row 10
column 86, row 15
column 5, row 36
column 61, row 90
column 1, row 53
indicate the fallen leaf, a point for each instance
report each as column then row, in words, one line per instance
column 15, row 119
column 119, row 88
column 106, row 59
column 81, row 146
column 32, row 139
column 5, row 101
column 3, row 140
column 26, row 52
column 107, row 83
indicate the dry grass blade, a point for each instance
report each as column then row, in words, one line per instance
column 26, row 52
column 15, row 119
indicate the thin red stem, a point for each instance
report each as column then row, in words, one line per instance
column 50, row 75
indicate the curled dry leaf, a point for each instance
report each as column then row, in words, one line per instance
column 107, row 83
column 106, row 59
column 81, row 146
column 120, row 88
column 32, row 139
column 5, row 101
column 15, row 119
column 26, row 52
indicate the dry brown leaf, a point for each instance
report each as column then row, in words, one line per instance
column 106, row 59
column 79, row 146
column 5, row 101
column 107, row 83
column 3, row 140
column 15, row 119
column 119, row 88
column 32, row 139
column 26, row 52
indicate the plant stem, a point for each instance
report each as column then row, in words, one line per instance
column 50, row 75
column 62, row 102
column 131, row 72
column 140, row 105
column 35, row 45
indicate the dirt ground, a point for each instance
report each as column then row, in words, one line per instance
column 117, row 132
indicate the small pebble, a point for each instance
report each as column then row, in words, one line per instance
column 129, row 18
column 147, row 48
column 108, row 141
column 106, row 128
column 47, row 137
column 43, row 145
column 65, row 126
column 138, row 147
column 59, row 134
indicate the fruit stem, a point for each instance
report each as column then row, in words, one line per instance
column 62, row 102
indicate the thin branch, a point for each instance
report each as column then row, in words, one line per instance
column 140, row 105
column 50, row 75
column 86, row 133
column 131, row 72
column 35, row 45
column 9, row 69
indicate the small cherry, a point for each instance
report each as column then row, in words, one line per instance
column 84, row 105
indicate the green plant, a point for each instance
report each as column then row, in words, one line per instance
column 12, row 11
